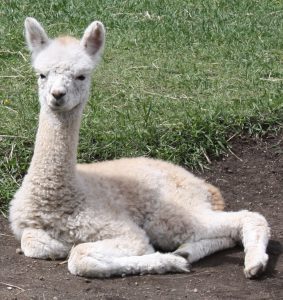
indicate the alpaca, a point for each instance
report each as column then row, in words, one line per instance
column 110, row 218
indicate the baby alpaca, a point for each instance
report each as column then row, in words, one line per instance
column 109, row 217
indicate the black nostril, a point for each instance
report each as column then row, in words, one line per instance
column 58, row 95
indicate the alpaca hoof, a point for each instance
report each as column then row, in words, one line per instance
column 255, row 267
column 181, row 264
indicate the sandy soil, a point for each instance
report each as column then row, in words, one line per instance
column 251, row 178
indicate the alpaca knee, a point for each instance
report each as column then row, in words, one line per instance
column 37, row 243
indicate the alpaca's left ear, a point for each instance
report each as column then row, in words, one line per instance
column 93, row 39
column 36, row 36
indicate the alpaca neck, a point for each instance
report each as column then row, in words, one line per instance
column 56, row 146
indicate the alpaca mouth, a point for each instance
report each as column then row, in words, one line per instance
column 57, row 104
column 62, row 108
column 55, row 107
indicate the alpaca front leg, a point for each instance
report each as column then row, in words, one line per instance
column 118, row 257
column 37, row 243
column 248, row 227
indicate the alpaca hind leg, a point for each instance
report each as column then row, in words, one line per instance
column 120, row 256
column 194, row 251
column 248, row 227
column 37, row 243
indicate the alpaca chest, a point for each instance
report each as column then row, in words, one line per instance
column 50, row 209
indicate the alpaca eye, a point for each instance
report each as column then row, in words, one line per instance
column 81, row 77
column 42, row 76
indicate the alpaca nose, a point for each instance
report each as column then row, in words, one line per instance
column 58, row 94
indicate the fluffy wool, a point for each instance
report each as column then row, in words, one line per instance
column 110, row 217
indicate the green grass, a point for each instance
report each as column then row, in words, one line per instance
column 177, row 80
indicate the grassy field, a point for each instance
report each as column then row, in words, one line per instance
column 177, row 81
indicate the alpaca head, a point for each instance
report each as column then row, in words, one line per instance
column 64, row 64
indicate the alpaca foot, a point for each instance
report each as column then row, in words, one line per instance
column 255, row 264
column 172, row 263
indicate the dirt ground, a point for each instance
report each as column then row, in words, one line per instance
column 250, row 178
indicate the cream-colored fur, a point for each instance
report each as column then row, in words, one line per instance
column 111, row 216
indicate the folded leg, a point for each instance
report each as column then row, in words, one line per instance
column 248, row 227
column 37, row 243
column 129, row 254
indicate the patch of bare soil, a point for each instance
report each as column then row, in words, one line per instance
column 250, row 178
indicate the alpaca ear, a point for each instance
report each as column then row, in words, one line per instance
column 36, row 37
column 93, row 39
